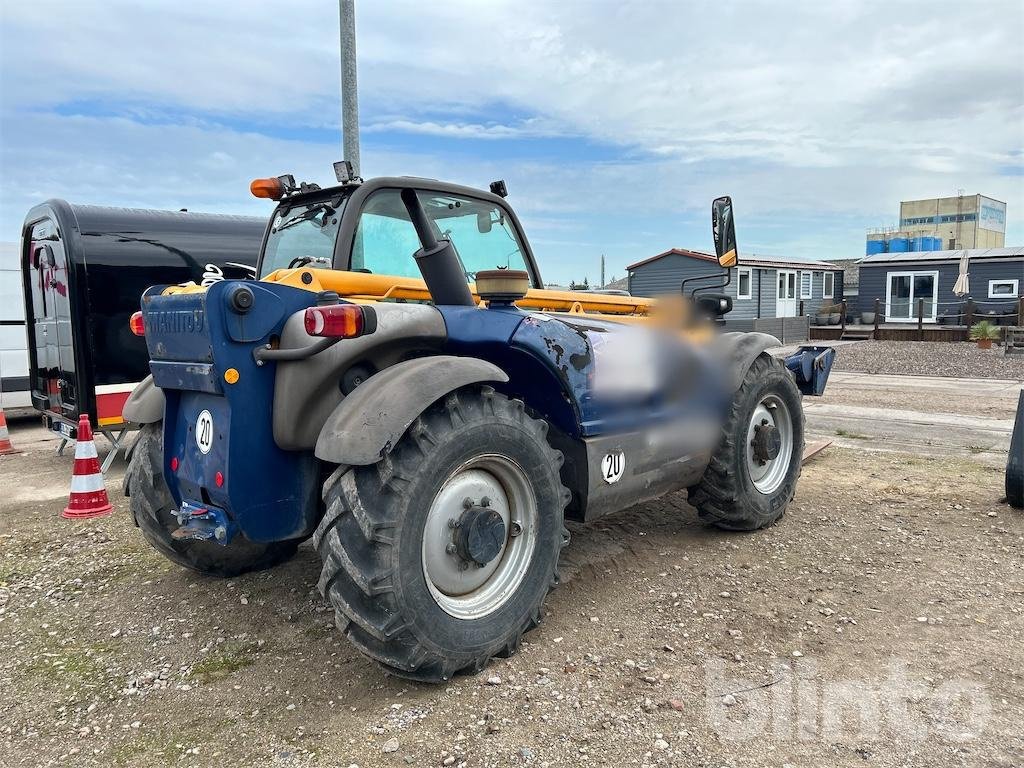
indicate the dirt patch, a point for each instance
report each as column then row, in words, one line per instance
column 879, row 621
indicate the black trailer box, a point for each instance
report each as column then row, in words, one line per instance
column 84, row 269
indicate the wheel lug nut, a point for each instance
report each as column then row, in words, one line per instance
column 453, row 523
column 467, row 503
column 764, row 422
column 485, row 502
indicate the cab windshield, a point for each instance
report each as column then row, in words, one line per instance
column 303, row 234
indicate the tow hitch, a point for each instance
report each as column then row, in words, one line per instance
column 206, row 523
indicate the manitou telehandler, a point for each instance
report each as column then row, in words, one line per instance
column 399, row 386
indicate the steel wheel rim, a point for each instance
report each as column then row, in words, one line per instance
column 767, row 476
column 472, row 592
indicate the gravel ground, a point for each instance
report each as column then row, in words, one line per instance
column 929, row 358
column 879, row 624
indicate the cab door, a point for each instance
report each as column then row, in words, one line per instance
column 53, row 376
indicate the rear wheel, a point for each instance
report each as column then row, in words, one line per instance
column 752, row 476
column 152, row 506
column 439, row 557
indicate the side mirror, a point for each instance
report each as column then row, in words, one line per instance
column 723, row 228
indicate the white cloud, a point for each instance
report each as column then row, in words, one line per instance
column 821, row 115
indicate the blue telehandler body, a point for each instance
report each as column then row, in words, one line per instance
column 400, row 388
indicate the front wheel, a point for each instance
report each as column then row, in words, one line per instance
column 152, row 506
column 439, row 557
column 752, row 476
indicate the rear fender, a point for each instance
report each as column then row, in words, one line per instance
column 366, row 424
column 145, row 405
column 739, row 350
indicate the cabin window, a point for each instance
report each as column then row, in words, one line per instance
column 830, row 285
column 806, row 283
column 1003, row 289
column 743, row 282
column 905, row 289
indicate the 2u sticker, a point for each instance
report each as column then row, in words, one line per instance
column 612, row 467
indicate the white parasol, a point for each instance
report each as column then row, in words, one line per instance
column 963, row 282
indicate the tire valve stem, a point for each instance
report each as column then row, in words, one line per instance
column 451, row 549
column 515, row 529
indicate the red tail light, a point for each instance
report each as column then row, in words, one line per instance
column 135, row 323
column 340, row 321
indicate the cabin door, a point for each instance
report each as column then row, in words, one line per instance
column 786, row 296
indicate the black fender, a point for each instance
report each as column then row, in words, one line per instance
column 739, row 350
column 145, row 405
column 365, row 425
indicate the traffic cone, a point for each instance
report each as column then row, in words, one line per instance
column 88, row 494
column 5, row 436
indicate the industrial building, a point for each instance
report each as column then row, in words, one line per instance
column 943, row 223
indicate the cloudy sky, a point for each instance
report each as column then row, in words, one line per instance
column 614, row 124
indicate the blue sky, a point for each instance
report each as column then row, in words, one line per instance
column 614, row 124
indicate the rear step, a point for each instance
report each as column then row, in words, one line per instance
column 858, row 334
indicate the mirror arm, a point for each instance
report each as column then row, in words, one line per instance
column 702, row 278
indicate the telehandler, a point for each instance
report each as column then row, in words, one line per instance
column 399, row 386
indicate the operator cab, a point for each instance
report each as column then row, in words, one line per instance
column 315, row 227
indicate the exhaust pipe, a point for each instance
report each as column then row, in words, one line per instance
column 437, row 260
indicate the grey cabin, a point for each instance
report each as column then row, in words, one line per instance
column 760, row 287
column 900, row 280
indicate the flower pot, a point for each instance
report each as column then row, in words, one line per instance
column 984, row 343
column 833, row 318
column 868, row 318
column 821, row 319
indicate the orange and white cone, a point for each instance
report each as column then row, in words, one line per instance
column 88, row 493
column 5, row 436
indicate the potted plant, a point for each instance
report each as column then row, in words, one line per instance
column 984, row 333
column 868, row 318
column 835, row 314
column 823, row 314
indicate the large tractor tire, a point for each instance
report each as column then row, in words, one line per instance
column 439, row 557
column 151, row 505
column 752, row 476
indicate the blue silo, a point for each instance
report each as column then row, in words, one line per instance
column 899, row 245
column 875, row 246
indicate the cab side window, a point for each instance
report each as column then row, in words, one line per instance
column 482, row 234
column 385, row 238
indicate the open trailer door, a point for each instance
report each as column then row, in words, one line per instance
column 51, row 340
